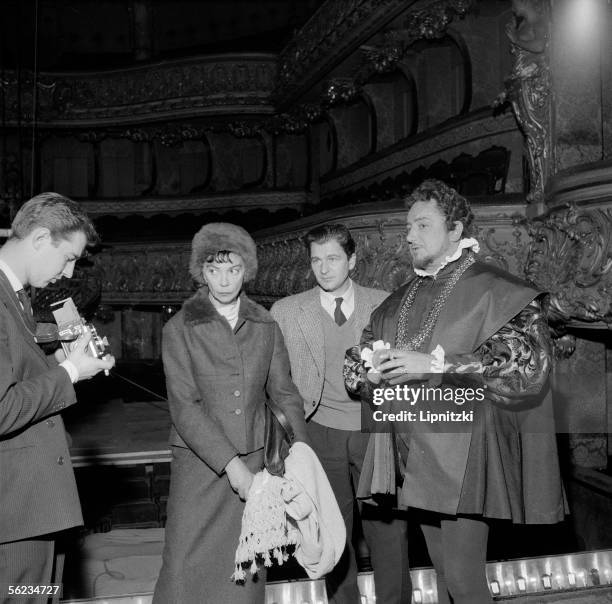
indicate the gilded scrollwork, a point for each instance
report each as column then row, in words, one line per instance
column 383, row 260
column 567, row 253
column 505, row 245
column 333, row 30
column 272, row 201
column 571, row 257
column 135, row 274
column 424, row 24
column 243, row 83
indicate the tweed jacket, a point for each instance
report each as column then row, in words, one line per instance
column 299, row 320
column 218, row 379
column 38, row 493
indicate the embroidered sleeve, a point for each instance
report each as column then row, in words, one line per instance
column 354, row 372
column 515, row 361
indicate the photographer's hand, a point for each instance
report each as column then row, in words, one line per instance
column 86, row 364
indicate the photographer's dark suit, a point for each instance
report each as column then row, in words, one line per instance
column 38, row 494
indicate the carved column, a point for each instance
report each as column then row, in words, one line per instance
column 528, row 89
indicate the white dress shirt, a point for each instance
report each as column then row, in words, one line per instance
column 328, row 301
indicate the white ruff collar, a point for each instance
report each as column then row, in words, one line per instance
column 464, row 244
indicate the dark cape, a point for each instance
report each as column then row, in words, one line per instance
column 505, row 465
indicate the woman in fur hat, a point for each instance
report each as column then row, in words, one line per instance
column 223, row 354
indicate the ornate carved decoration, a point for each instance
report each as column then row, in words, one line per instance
column 383, row 260
column 170, row 135
column 333, row 31
column 340, row 90
column 423, row 150
column 157, row 273
column 528, row 88
column 204, row 86
column 571, row 257
column 268, row 200
column 428, row 23
column 133, row 274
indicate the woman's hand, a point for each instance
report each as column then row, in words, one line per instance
column 239, row 476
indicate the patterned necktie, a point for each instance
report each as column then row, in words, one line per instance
column 27, row 309
column 339, row 317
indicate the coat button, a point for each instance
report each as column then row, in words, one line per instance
column 236, row 393
column 238, row 411
column 60, row 460
column 50, row 423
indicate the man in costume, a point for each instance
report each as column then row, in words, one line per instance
column 482, row 322
column 318, row 325
column 38, row 494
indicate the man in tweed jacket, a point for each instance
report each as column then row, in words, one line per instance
column 318, row 326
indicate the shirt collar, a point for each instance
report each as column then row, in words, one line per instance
column 229, row 311
column 330, row 298
column 465, row 244
column 11, row 276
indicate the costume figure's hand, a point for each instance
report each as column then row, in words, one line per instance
column 378, row 358
column 85, row 364
column 405, row 365
column 239, row 476
column 374, row 377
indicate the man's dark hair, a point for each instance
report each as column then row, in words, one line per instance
column 59, row 214
column 327, row 232
column 454, row 207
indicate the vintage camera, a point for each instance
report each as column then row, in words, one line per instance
column 70, row 325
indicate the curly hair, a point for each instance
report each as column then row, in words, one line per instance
column 454, row 207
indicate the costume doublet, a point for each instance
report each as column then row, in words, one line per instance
column 490, row 325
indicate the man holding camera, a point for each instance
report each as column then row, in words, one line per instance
column 38, row 494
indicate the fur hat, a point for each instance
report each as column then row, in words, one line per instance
column 222, row 236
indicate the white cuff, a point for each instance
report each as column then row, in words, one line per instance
column 73, row 372
column 437, row 364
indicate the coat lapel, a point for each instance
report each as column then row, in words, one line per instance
column 9, row 299
column 309, row 321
